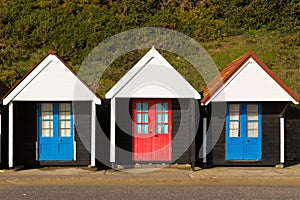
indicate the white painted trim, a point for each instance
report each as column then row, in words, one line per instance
column 10, row 135
column 281, row 140
column 36, row 151
column 112, row 130
column 75, row 150
column 93, row 134
column 204, row 139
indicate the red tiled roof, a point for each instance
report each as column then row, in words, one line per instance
column 217, row 82
column 50, row 52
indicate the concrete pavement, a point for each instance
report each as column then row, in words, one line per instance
column 173, row 171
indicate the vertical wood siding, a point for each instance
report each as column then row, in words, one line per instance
column 183, row 131
column 270, row 138
column 25, row 134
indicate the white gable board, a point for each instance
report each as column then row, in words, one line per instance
column 251, row 83
column 153, row 77
column 51, row 80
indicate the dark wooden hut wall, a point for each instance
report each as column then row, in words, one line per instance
column 184, row 125
column 271, row 113
column 4, row 137
column 25, row 134
column 103, row 134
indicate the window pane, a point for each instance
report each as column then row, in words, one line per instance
column 158, row 118
column 145, row 107
column 47, row 132
column 161, row 107
column 234, row 108
column 234, row 133
column 252, row 112
column 164, row 117
column 158, row 128
column 234, row 112
column 165, row 107
column 138, row 107
column 158, row 107
column 46, row 115
column 145, row 118
column 144, row 128
column 47, row 124
column 252, row 108
column 138, row 128
column 65, row 133
column 65, row 124
column 64, row 107
column 138, row 118
column 46, row 107
column 234, row 125
column 252, row 129
column 252, row 133
column 165, row 129
column 234, row 130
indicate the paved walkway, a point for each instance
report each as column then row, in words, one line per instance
column 174, row 171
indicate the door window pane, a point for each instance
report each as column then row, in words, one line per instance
column 252, row 120
column 145, row 107
column 162, row 118
column 64, row 120
column 234, row 129
column 252, row 112
column 234, row 112
column 46, row 120
column 252, row 129
column 234, row 120
column 141, row 118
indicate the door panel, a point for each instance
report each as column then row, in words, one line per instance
column 152, row 130
column 243, row 143
column 55, row 128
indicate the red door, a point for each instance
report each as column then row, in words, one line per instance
column 152, row 125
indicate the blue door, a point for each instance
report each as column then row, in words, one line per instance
column 55, row 131
column 243, row 132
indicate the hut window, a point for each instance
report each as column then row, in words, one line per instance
column 64, row 119
column 243, row 118
column 47, row 119
column 234, row 120
column 142, row 117
column 55, row 119
column 162, row 126
column 252, row 120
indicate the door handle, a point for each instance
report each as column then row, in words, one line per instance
column 59, row 140
column 248, row 140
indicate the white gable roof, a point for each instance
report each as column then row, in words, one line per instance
column 152, row 77
column 251, row 83
column 51, row 80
